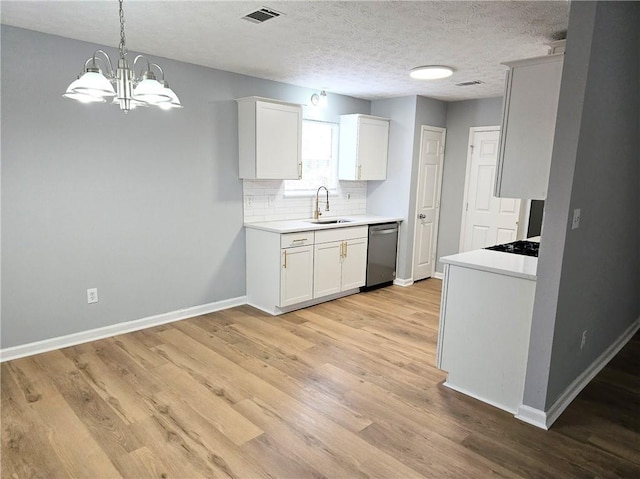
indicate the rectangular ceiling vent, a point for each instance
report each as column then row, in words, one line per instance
column 469, row 83
column 262, row 15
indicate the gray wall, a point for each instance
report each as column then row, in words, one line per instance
column 391, row 197
column 588, row 279
column 461, row 115
column 146, row 207
column 396, row 196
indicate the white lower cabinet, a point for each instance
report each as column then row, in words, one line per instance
column 483, row 338
column 340, row 266
column 340, row 262
column 327, row 276
column 296, row 275
column 285, row 270
column 354, row 264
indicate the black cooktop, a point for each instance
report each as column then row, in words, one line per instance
column 527, row 248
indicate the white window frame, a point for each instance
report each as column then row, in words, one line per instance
column 290, row 188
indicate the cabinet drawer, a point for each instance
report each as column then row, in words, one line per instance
column 341, row 234
column 301, row 238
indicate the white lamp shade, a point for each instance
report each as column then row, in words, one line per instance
column 83, row 97
column 151, row 91
column 94, row 84
column 174, row 103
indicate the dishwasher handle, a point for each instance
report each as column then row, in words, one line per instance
column 384, row 232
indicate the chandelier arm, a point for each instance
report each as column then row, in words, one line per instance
column 133, row 65
column 159, row 68
column 96, row 63
column 108, row 63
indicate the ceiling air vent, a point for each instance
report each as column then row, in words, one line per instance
column 469, row 83
column 262, row 15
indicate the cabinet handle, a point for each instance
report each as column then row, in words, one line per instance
column 359, row 171
column 300, row 170
column 285, row 259
column 345, row 249
column 301, row 240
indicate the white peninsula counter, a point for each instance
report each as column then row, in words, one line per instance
column 485, row 321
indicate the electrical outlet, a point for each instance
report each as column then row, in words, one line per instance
column 248, row 201
column 584, row 339
column 271, row 201
column 92, row 295
column 575, row 224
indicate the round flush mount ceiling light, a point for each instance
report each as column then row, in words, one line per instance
column 431, row 72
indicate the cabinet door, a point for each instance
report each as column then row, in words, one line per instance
column 354, row 264
column 528, row 128
column 296, row 275
column 373, row 143
column 278, row 141
column 328, row 264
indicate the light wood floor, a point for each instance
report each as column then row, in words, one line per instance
column 346, row 389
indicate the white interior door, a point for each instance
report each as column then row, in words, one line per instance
column 428, row 201
column 486, row 220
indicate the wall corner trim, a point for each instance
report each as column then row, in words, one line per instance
column 532, row 416
column 403, row 282
column 544, row 419
column 59, row 342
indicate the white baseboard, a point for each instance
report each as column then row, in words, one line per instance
column 45, row 345
column 403, row 282
column 532, row 416
column 438, row 275
column 544, row 419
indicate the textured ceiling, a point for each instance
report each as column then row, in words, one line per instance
column 362, row 49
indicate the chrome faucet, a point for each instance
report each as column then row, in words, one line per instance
column 317, row 213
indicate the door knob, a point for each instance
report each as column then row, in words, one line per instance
column 421, row 216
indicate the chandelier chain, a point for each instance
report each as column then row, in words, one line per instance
column 123, row 46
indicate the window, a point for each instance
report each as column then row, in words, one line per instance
column 319, row 159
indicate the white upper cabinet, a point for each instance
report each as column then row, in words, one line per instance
column 364, row 144
column 528, row 127
column 269, row 139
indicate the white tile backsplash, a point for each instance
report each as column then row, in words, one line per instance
column 265, row 200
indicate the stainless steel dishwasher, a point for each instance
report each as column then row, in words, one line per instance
column 381, row 254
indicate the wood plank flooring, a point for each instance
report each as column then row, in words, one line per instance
column 345, row 389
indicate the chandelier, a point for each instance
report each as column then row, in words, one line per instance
column 97, row 86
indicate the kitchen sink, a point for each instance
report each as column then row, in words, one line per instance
column 329, row 221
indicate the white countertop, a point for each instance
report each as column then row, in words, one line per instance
column 292, row 226
column 499, row 262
